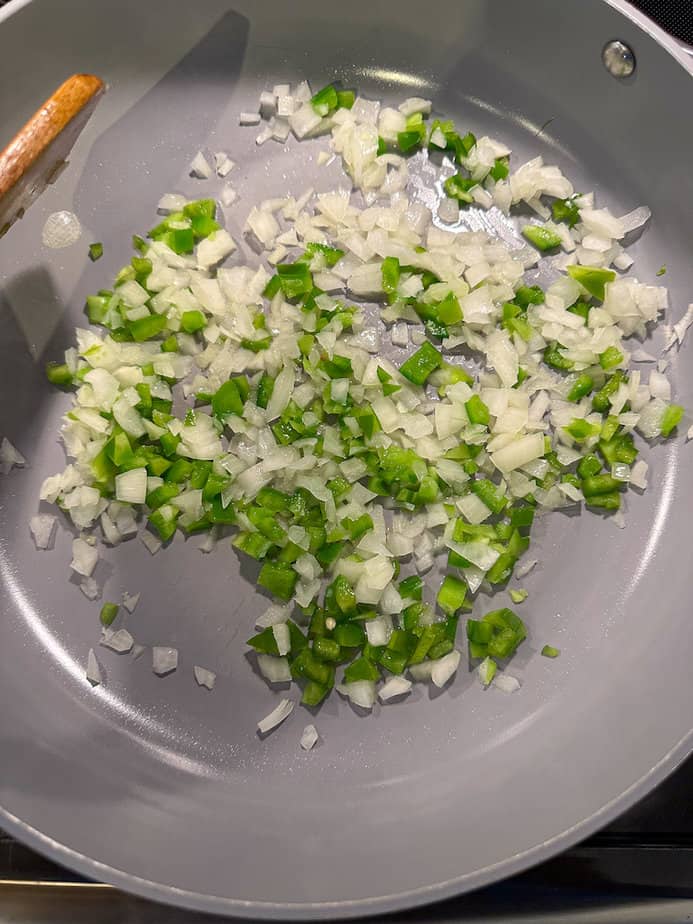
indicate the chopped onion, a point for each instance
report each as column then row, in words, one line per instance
column 42, row 528
column 120, row 641
column 164, row 659
column 275, row 717
column 638, row 475
column 506, row 683
column 9, row 456
column 84, row 557
column 199, row 167
column 90, row 588
column 309, row 738
column 280, row 631
column 274, row 669
column 93, row 669
column 131, row 486
column 524, row 568
column 130, row 601
column 204, row 677
column 444, row 668
column 360, row 692
column 61, row 229
column 395, row 686
column 171, row 202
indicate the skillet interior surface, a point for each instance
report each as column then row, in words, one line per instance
column 164, row 789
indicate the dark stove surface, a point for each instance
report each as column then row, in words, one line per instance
column 639, row 869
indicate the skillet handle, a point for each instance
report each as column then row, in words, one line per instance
column 35, row 155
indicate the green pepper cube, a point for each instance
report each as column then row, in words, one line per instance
column 542, row 238
column 451, row 595
column 421, row 364
column 279, row 578
column 592, row 278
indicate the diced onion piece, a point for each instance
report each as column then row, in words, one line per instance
column 171, row 202
column 84, row 557
column 506, row 683
column 42, row 528
column 360, row 692
column 93, row 669
column 275, row 717
column 130, row 601
column 281, row 636
column 444, row 668
column 395, row 686
column 274, row 669
column 61, row 229
column 9, row 456
column 164, row 659
column 204, row 677
column 90, row 588
column 120, row 641
column 131, row 486
column 309, row 738
column 524, row 568
column 200, row 167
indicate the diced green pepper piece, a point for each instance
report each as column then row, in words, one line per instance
column 350, row 635
column 529, row 295
column 295, row 279
column 278, row 578
column 314, row 693
column 500, row 169
column 566, row 210
column 459, row 187
column 671, row 418
column 610, row 358
column 487, row 492
column 95, row 251
column 326, row 649
column 581, row 429
column 145, row 328
column 542, row 238
column 227, row 400
column 192, row 321
column 59, row 374
column 325, row 100
column 451, row 595
column 449, row 311
column 554, row 358
column 108, row 613
column 610, row 501
column 164, row 521
column 411, row 588
column 421, row 364
column 390, row 272
column 161, row 495
column 477, row 411
column 592, row 278
column 602, row 399
column 600, row 484
column 549, row 651
column 581, row 387
column 361, row 669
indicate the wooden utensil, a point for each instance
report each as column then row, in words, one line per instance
column 38, row 151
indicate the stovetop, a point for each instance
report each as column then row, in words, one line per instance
column 639, row 869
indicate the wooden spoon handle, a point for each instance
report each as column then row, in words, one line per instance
column 34, row 156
